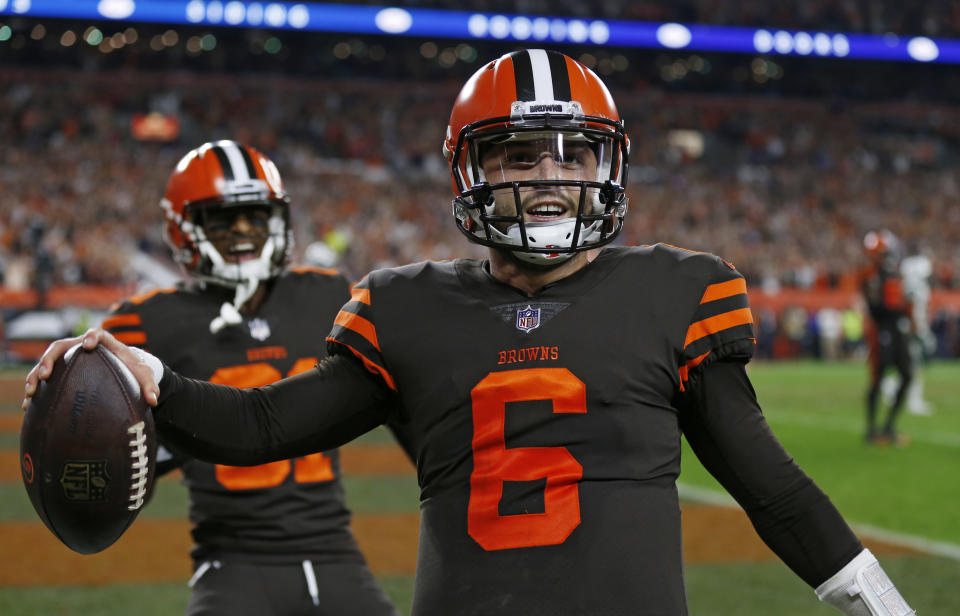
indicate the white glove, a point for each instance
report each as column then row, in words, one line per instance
column 862, row 588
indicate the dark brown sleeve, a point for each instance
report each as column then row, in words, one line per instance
column 724, row 425
column 314, row 411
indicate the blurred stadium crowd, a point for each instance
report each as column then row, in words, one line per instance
column 783, row 185
column 788, row 202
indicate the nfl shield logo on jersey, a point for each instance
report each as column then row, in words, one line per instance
column 259, row 329
column 528, row 318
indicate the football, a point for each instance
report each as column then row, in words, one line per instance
column 88, row 449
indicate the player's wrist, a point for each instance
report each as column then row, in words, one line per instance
column 155, row 365
column 862, row 588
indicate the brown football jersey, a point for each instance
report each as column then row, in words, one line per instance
column 547, row 426
column 288, row 510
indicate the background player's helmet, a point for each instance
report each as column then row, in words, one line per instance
column 225, row 174
column 553, row 100
column 882, row 247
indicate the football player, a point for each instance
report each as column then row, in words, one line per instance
column 888, row 337
column 547, row 386
column 915, row 271
column 274, row 538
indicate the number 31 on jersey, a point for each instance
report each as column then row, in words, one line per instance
column 309, row 469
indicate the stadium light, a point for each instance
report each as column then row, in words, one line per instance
column 464, row 25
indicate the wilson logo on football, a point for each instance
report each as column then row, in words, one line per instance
column 27, row 468
column 140, row 466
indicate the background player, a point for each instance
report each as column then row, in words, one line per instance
column 547, row 386
column 274, row 538
column 891, row 326
column 915, row 269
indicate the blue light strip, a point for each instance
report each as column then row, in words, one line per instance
column 465, row 26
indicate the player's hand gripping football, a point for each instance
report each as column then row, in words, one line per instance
column 141, row 370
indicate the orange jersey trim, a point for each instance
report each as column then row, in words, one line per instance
column 369, row 365
column 131, row 337
column 690, row 365
column 696, row 252
column 360, row 295
column 139, row 299
column 718, row 323
column 358, row 325
column 326, row 271
column 121, row 320
column 723, row 290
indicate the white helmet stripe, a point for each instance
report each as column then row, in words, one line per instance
column 237, row 164
column 542, row 75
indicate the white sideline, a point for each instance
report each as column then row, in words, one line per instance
column 920, row 544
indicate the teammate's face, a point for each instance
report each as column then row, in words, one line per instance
column 547, row 157
column 238, row 233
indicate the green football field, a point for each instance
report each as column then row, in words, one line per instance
column 907, row 497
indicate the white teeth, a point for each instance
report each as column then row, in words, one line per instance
column 546, row 210
column 245, row 247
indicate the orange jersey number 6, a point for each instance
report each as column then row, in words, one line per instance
column 493, row 463
column 313, row 468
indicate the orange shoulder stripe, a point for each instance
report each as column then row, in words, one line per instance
column 360, row 295
column 131, row 337
column 718, row 323
column 326, row 271
column 139, row 299
column 359, row 325
column 369, row 365
column 697, row 252
column 121, row 320
column 722, row 290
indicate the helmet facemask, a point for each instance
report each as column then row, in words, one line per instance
column 251, row 258
column 228, row 258
column 565, row 172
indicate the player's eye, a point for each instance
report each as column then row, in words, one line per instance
column 217, row 225
column 258, row 217
column 520, row 156
column 573, row 156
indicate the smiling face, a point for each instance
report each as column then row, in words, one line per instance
column 238, row 233
column 543, row 156
column 541, row 192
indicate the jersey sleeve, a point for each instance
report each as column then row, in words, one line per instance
column 721, row 325
column 316, row 410
column 355, row 332
column 721, row 419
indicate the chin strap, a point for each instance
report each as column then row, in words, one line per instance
column 230, row 311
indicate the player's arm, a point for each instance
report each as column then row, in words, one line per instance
column 314, row 411
column 724, row 425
